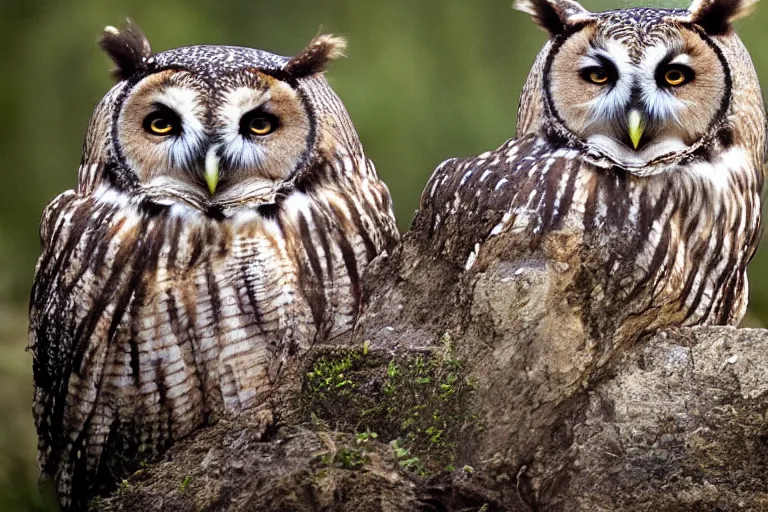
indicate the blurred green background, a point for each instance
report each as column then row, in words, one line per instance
column 425, row 80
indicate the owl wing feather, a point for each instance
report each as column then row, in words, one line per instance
column 468, row 200
column 86, row 279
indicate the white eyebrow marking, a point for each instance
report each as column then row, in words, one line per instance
column 618, row 54
column 589, row 60
column 185, row 103
column 683, row 59
column 653, row 56
column 239, row 101
column 242, row 152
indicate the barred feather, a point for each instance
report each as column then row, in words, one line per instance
column 672, row 247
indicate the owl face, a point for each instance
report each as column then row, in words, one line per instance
column 218, row 124
column 639, row 88
column 228, row 137
column 640, row 93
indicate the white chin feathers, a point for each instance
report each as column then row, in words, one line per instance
column 628, row 157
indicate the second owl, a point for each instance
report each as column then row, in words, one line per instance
column 641, row 135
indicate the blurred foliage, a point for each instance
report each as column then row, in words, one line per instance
column 425, row 80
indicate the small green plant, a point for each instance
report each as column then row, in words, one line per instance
column 350, row 458
column 185, row 483
column 345, row 458
column 406, row 461
column 329, row 376
column 364, row 437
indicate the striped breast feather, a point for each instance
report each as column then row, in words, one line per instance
column 148, row 320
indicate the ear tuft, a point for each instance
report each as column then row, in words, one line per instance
column 554, row 16
column 127, row 47
column 316, row 56
column 716, row 16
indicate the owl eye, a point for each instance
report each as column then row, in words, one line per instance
column 676, row 75
column 162, row 122
column 261, row 126
column 258, row 123
column 598, row 75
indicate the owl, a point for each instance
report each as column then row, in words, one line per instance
column 223, row 217
column 641, row 133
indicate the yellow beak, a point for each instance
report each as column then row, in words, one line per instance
column 212, row 170
column 636, row 126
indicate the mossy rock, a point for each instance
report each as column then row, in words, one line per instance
column 419, row 403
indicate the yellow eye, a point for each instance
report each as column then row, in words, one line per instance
column 598, row 76
column 162, row 122
column 261, row 126
column 161, row 126
column 674, row 77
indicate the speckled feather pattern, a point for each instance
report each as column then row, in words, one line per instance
column 154, row 313
column 638, row 27
column 216, row 61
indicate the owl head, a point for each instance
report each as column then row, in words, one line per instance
column 642, row 88
column 216, row 124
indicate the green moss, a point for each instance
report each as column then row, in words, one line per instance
column 344, row 457
column 421, row 403
column 328, row 376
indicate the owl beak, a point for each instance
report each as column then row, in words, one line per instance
column 212, row 169
column 636, row 125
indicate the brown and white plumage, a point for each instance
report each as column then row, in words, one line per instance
column 665, row 229
column 179, row 278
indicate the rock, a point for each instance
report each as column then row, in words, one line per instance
column 681, row 425
column 514, row 386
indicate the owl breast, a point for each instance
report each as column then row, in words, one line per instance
column 666, row 249
column 150, row 319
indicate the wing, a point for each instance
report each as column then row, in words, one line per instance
column 648, row 256
column 91, row 265
column 526, row 184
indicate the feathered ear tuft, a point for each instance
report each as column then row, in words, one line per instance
column 127, row 47
column 716, row 16
column 554, row 16
column 316, row 56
